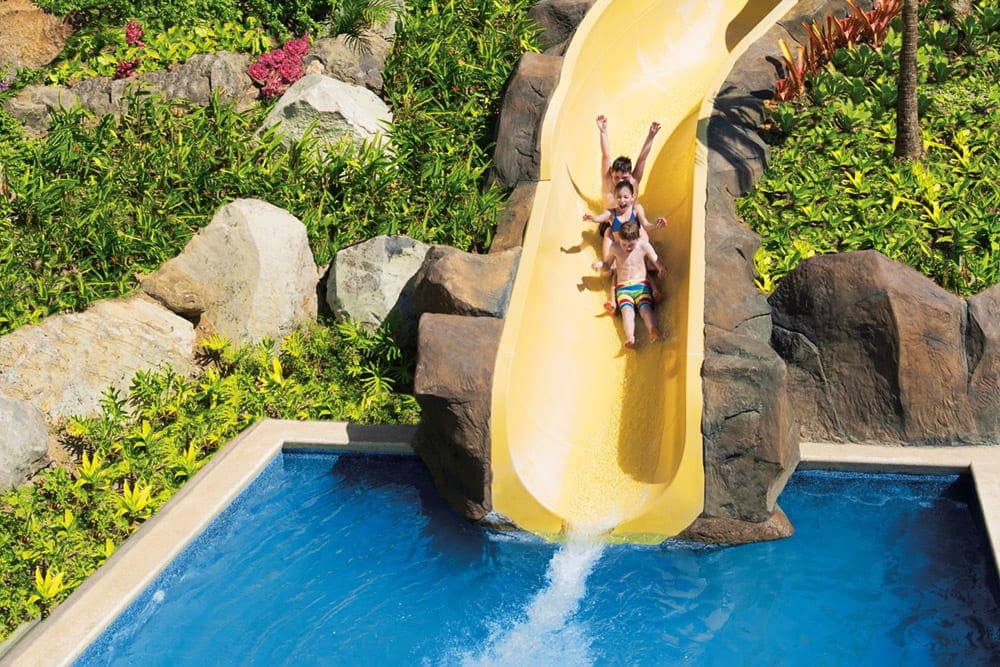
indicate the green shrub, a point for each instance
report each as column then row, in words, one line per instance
column 833, row 185
column 134, row 456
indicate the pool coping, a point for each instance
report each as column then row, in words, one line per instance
column 80, row 619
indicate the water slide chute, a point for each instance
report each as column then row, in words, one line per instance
column 585, row 435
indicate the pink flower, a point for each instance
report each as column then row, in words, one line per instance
column 290, row 71
column 133, row 34
column 276, row 57
column 259, row 71
column 297, row 47
column 273, row 89
column 126, row 68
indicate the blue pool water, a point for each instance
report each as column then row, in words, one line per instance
column 355, row 560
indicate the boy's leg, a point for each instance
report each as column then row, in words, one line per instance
column 628, row 324
column 649, row 319
column 611, row 305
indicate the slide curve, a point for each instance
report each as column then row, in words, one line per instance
column 587, row 436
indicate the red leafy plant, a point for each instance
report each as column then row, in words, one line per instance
column 858, row 27
column 275, row 70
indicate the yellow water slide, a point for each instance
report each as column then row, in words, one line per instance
column 587, row 436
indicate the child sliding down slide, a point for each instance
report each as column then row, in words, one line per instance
column 629, row 254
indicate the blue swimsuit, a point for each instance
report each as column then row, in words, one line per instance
column 616, row 222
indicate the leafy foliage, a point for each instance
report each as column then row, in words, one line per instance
column 134, row 456
column 281, row 19
column 833, row 185
column 76, row 227
column 99, row 50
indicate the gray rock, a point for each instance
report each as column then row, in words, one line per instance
column 517, row 156
column 357, row 63
column 248, row 275
column 461, row 283
column 332, row 111
column 373, row 280
column 877, row 352
column 33, row 106
column 26, row 441
column 65, row 364
column 223, row 74
column 560, row 19
column 454, row 389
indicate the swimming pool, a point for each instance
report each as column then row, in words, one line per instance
column 330, row 559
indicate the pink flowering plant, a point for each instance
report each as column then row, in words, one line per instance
column 277, row 69
column 128, row 63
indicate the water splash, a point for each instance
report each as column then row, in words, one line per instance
column 547, row 634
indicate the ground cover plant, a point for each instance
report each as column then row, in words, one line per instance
column 833, row 185
column 138, row 452
column 76, row 227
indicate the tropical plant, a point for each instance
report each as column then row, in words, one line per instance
column 857, row 27
column 833, row 185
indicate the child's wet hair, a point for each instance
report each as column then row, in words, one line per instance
column 629, row 231
column 622, row 164
column 624, row 184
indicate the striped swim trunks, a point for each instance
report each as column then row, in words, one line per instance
column 634, row 294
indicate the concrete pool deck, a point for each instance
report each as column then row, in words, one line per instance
column 78, row 621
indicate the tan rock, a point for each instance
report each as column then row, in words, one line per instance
column 28, row 36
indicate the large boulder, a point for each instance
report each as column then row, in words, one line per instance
column 248, row 275
column 373, row 281
column 748, row 428
column 66, row 363
column 25, row 443
column 878, row 352
column 453, row 385
column 559, row 19
column 461, row 283
column 517, row 156
column 330, row 110
column 29, row 37
column 353, row 61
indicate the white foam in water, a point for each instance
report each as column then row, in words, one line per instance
column 547, row 635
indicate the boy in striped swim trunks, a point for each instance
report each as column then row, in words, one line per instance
column 628, row 254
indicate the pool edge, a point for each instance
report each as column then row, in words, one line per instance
column 982, row 462
column 80, row 619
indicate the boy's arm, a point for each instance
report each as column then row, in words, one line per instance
column 602, row 126
column 661, row 268
column 640, row 162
